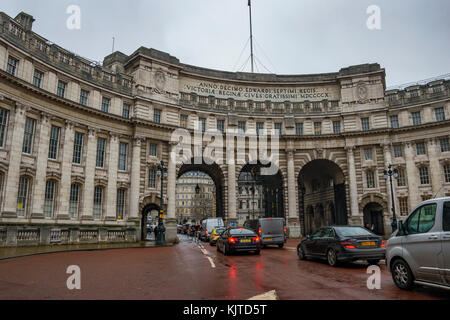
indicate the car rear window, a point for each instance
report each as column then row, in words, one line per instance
column 219, row 231
column 352, row 231
column 237, row 232
column 272, row 225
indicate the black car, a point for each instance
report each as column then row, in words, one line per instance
column 185, row 228
column 193, row 230
column 342, row 244
column 238, row 239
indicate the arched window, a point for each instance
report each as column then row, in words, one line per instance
column 120, row 210
column 23, row 195
column 98, row 203
column 74, row 203
column 49, row 203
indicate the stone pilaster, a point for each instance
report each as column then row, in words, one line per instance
column 387, row 161
column 232, row 213
column 435, row 167
column 294, row 230
column 15, row 155
column 170, row 223
column 112, row 177
column 66, row 172
column 135, row 180
column 41, row 167
column 413, row 176
column 352, row 183
column 88, row 190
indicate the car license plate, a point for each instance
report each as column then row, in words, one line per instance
column 245, row 240
column 268, row 239
column 368, row 243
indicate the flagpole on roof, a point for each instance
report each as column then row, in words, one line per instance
column 251, row 32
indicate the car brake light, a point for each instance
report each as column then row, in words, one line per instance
column 383, row 244
column 284, row 230
column 259, row 231
column 256, row 239
column 269, row 219
column 206, row 231
column 232, row 240
column 348, row 245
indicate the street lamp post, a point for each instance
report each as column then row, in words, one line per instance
column 389, row 173
column 161, row 230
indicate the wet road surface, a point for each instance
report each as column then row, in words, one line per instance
column 192, row 271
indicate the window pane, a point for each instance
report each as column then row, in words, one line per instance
column 54, row 142
column 74, row 200
column 427, row 218
column 105, row 104
column 49, row 198
column 126, row 111
column 98, row 203
column 28, row 136
column 3, row 126
column 77, row 147
column 22, row 198
column 101, row 143
column 123, row 149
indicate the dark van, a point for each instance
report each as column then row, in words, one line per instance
column 272, row 231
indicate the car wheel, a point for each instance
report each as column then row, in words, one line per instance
column 225, row 252
column 332, row 258
column 301, row 253
column 281, row 245
column 373, row 261
column 402, row 275
column 218, row 247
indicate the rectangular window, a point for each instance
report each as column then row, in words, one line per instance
column 98, row 203
column 403, row 202
column 278, row 126
column 106, row 102
column 299, row 129
column 336, row 127
column 101, row 146
column 153, row 150
column 84, row 97
column 28, row 137
column 77, row 148
column 420, row 148
column 365, row 124
column 241, row 127
column 221, row 125
column 126, row 111
column 436, row 89
column 22, row 198
column 12, row 66
column 37, row 78
column 74, row 200
column 394, row 122
column 202, row 124
column 401, row 179
column 368, row 154
column 447, row 173
column 49, row 198
column 317, row 128
column 370, row 179
column 260, row 128
column 183, row 121
column 423, row 175
column 152, row 178
column 54, row 142
column 61, row 90
column 157, row 116
column 445, row 146
column 440, row 114
column 417, row 120
column 414, row 93
column 3, row 126
column 120, row 210
column 398, row 151
column 123, row 150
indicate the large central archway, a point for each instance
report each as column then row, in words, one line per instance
column 215, row 173
column 322, row 195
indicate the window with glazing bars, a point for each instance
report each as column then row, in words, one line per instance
column 3, row 126
column 447, row 173
column 241, row 127
column 123, row 149
column 120, row 210
column 401, row 179
column 153, row 150
column 106, row 102
column 61, row 90
column 417, row 120
column 221, row 125
column 54, row 142
column 278, row 128
column 84, row 97
column 152, row 178
column 398, row 151
column 157, row 116
column 28, row 137
column 404, row 210
column 74, row 201
column 22, row 198
column 394, row 121
column 439, row 114
column 317, row 128
column 299, row 129
column 336, row 127
column 260, row 128
column 37, row 78
column 77, row 147
column 98, row 203
column 365, row 124
column 420, row 148
column 11, row 68
column 423, row 175
column 370, row 179
column 445, row 146
column 101, row 146
column 184, row 121
column 126, row 111
column 368, row 154
column 49, row 198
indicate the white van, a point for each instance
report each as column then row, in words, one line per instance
column 208, row 225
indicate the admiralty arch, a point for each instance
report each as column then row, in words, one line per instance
column 80, row 142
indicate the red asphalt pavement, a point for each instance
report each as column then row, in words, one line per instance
column 184, row 272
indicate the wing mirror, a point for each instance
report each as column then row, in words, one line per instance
column 401, row 228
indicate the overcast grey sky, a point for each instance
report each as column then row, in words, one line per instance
column 296, row 36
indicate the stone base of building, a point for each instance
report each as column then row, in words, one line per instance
column 171, row 230
column 294, row 232
column 21, row 236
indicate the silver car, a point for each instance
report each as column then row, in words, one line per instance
column 418, row 252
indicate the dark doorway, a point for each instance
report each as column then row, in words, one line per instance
column 373, row 218
column 150, row 210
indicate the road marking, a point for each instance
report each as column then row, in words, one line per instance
column 291, row 248
column 205, row 252
column 212, row 262
column 271, row 295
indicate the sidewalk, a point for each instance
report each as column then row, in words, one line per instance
column 15, row 252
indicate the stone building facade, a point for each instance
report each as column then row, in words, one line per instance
column 80, row 141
